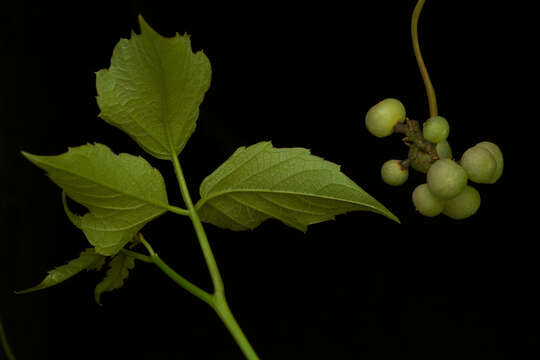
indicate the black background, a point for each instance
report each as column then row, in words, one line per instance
column 299, row 74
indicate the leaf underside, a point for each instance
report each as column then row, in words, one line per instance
column 123, row 192
column 289, row 184
column 88, row 260
column 153, row 89
column 118, row 271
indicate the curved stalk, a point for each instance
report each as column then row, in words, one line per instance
column 5, row 343
column 430, row 91
column 180, row 280
column 217, row 300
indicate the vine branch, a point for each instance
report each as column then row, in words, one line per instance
column 430, row 91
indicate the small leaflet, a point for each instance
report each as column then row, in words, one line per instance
column 118, row 271
column 88, row 260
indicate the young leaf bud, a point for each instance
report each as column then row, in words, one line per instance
column 446, row 179
column 383, row 116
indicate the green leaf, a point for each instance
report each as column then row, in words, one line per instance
column 118, row 271
column 123, row 192
column 261, row 182
column 153, row 89
column 88, row 260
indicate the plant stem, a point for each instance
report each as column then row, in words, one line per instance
column 199, row 230
column 430, row 91
column 177, row 278
column 222, row 309
column 177, row 210
column 137, row 256
column 5, row 343
column 217, row 300
column 219, row 303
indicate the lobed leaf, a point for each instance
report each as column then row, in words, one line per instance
column 289, row 184
column 88, row 259
column 123, row 192
column 153, row 89
column 118, row 271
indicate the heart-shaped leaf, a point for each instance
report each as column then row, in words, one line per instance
column 89, row 260
column 123, row 192
column 153, row 89
column 261, row 182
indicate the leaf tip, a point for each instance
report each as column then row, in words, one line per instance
column 26, row 291
column 143, row 25
column 393, row 217
column 26, row 154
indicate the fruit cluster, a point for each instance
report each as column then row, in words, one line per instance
column 446, row 189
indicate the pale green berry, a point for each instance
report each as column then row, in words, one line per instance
column 497, row 155
column 393, row 173
column 479, row 164
column 444, row 150
column 383, row 116
column 464, row 205
column 436, row 129
column 425, row 202
column 420, row 160
column 446, row 178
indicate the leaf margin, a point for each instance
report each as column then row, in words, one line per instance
column 206, row 198
column 92, row 263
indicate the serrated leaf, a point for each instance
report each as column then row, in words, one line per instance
column 153, row 89
column 123, row 192
column 118, row 271
column 88, row 259
column 98, row 265
column 261, row 182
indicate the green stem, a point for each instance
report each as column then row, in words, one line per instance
column 177, row 278
column 430, row 91
column 217, row 301
column 177, row 210
column 199, row 230
column 222, row 309
column 5, row 343
column 137, row 256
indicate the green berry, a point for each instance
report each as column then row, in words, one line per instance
column 420, row 160
column 497, row 155
column 479, row 164
column 444, row 150
column 383, row 116
column 436, row 129
column 464, row 205
column 425, row 202
column 393, row 173
column 446, row 178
